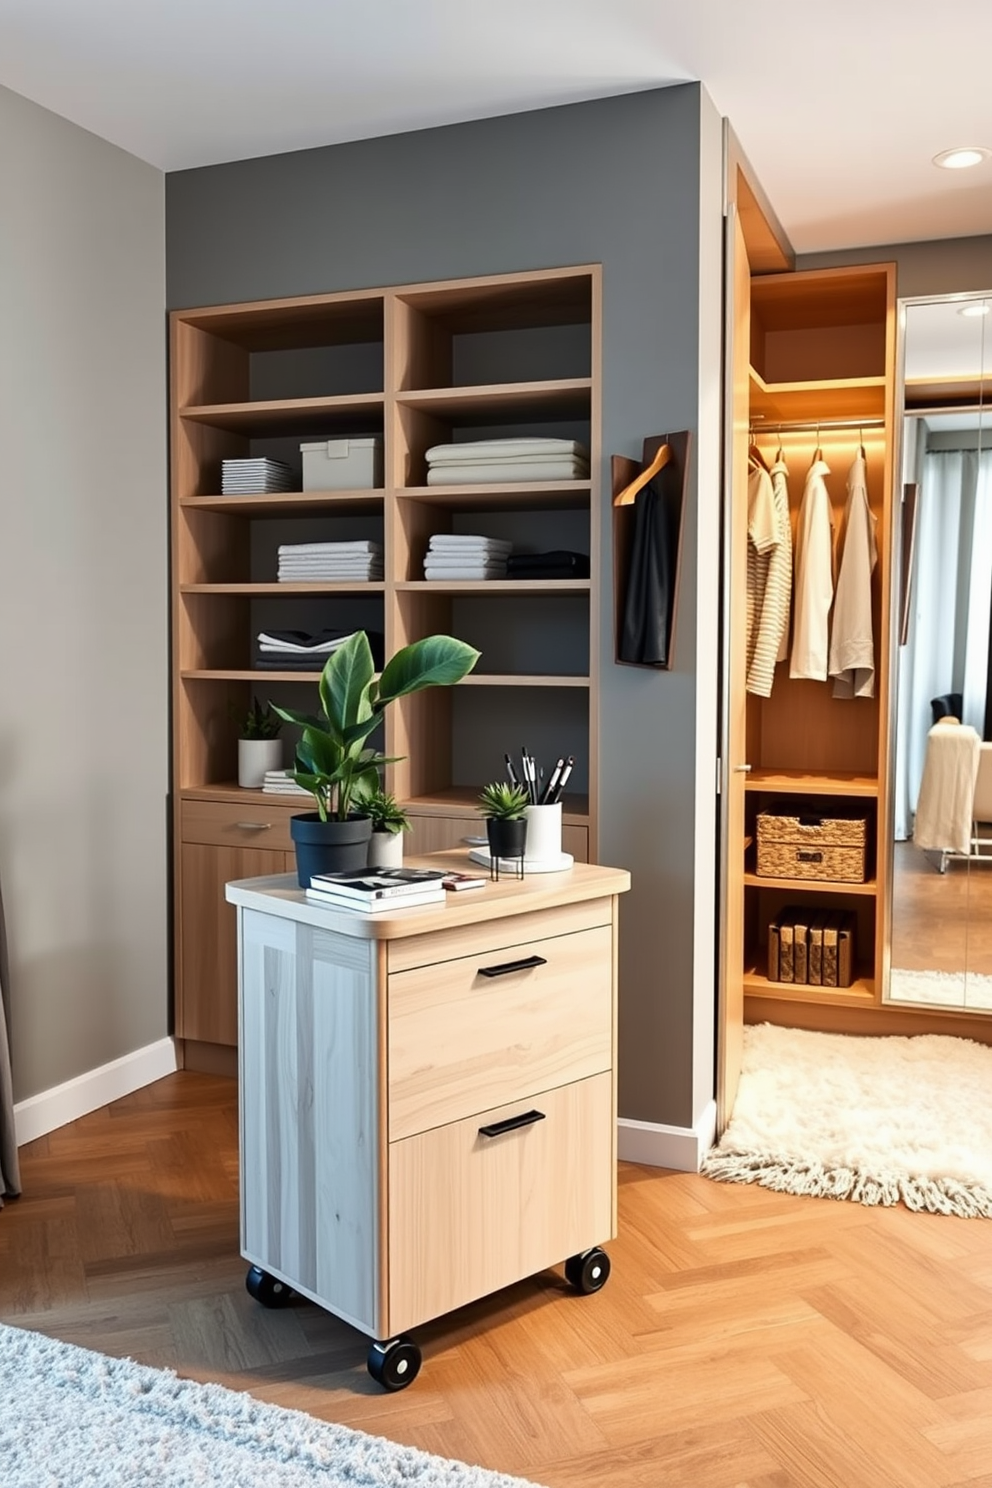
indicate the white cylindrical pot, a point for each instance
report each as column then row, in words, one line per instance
column 543, row 833
column 255, row 756
column 386, row 850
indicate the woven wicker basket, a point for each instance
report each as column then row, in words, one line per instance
column 827, row 849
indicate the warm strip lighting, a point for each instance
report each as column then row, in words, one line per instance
column 981, row 308
column 962, row 158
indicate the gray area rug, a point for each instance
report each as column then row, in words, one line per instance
column 882, row 1120
column 74, row 1419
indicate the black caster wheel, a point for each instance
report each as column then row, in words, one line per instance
column 266, row 1289
column 395, row 1364
column 589, row 1271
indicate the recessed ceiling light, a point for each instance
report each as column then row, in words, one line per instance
column 980, row 307
column 962, row 158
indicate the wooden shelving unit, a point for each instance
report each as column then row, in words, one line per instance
column 419, row 365
column 821, row 352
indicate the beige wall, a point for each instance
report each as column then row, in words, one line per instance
column 83, row 608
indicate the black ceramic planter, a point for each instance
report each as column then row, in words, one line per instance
column 507, row 839
column 331, row 846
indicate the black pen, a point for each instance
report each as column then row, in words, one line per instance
column 511, row 774
column 549, row 792
column 564, row 777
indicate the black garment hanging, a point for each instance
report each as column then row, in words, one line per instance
column 650, row 567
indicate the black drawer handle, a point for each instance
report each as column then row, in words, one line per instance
column 511, row 1124
column 809, row 857
column 507, row 966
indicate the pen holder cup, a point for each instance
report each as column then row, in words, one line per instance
column 543, row 832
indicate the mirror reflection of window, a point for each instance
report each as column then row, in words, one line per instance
column 941, row 952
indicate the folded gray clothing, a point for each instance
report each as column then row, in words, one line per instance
column 469, row 571
column 486, row 450
column 494, row 473
column 465, row 560
column 292, row 661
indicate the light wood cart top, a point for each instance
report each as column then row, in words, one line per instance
column 280, row 894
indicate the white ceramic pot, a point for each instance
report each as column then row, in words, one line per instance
column 255, row 756
column 386, row 850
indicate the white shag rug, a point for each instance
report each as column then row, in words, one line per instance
column 875, row 1120
column 958, row 989
column 75, row 1419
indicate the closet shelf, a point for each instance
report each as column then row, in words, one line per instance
column 523, row 679
column 244, row 674
column 495, row 586
column 564, row 396
column 372, row 586
column 288, row 415
column 850, row 398
column 806, row 783
column 289, row 503
column 808, row 885
column 860, row 993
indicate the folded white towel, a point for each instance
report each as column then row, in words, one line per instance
column 457, row 542
column 485, row 450
column 467, row 571
column 310, row 549
column 459, row 560
column 495, row 473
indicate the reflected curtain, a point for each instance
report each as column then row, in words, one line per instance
column 947, row 646
column 10, row 1176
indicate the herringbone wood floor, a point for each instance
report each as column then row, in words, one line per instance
column 744, row 1338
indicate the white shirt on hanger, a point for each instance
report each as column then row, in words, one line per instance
column 852, row 649
column 814, row 578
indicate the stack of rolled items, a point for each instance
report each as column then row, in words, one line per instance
column 499, row 460
column 331, row 561
column 466, row 557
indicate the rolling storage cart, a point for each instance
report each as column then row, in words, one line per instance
column 427, row 1097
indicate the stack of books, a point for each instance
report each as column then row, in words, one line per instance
column 254, row 477
column 281, row 783
column 379, row 890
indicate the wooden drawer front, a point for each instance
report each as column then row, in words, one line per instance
column 496, row 934
column 469, row 1214
column 227, row 824
column 469, row 1034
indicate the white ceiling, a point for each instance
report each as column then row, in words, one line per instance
column 839, row 106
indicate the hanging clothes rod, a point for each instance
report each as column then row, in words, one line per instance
column 812, row 426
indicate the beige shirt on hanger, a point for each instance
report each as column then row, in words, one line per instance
column 814, row 578
column 769, row 574
column 852, row 649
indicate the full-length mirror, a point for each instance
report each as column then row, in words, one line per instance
column 941, row 910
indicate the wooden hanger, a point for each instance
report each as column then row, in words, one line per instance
column 755, row 457
column 629, row 493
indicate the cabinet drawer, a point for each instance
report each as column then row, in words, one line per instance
column 496, row 934
column 229, row 824
column 469, row 1214
column 477, row 1032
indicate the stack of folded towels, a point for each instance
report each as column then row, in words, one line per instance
column 299, row 651
column 357, row 561
column 458, row 556
column 281, row 783
column 252, row 477
column 490, row 460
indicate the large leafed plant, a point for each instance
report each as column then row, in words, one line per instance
column 333, row 760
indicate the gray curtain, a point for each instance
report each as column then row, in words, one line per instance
column 10, row 1173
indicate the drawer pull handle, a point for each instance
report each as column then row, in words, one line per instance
column 806, row 856
column 506, row 967
column 253, row 826
column 511, row 1124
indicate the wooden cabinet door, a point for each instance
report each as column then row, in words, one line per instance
column 207, row 996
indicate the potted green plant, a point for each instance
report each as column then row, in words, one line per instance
column 504, row 807
column 389, row 822
column 333, row 759
column 259, row 744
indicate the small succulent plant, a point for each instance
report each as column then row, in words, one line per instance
column 502, row 802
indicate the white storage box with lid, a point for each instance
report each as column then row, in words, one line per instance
column 342, row 464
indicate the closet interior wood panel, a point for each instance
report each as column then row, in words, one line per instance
column 822, row 348
column 418, row 365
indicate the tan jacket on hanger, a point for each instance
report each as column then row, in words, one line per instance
column 814, row 578
column 852, row 649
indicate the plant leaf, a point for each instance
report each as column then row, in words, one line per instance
column 344, row 685
column 434, row 661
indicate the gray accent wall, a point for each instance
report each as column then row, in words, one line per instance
column 633, row 183
column 83, row 597
column 943, row 266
